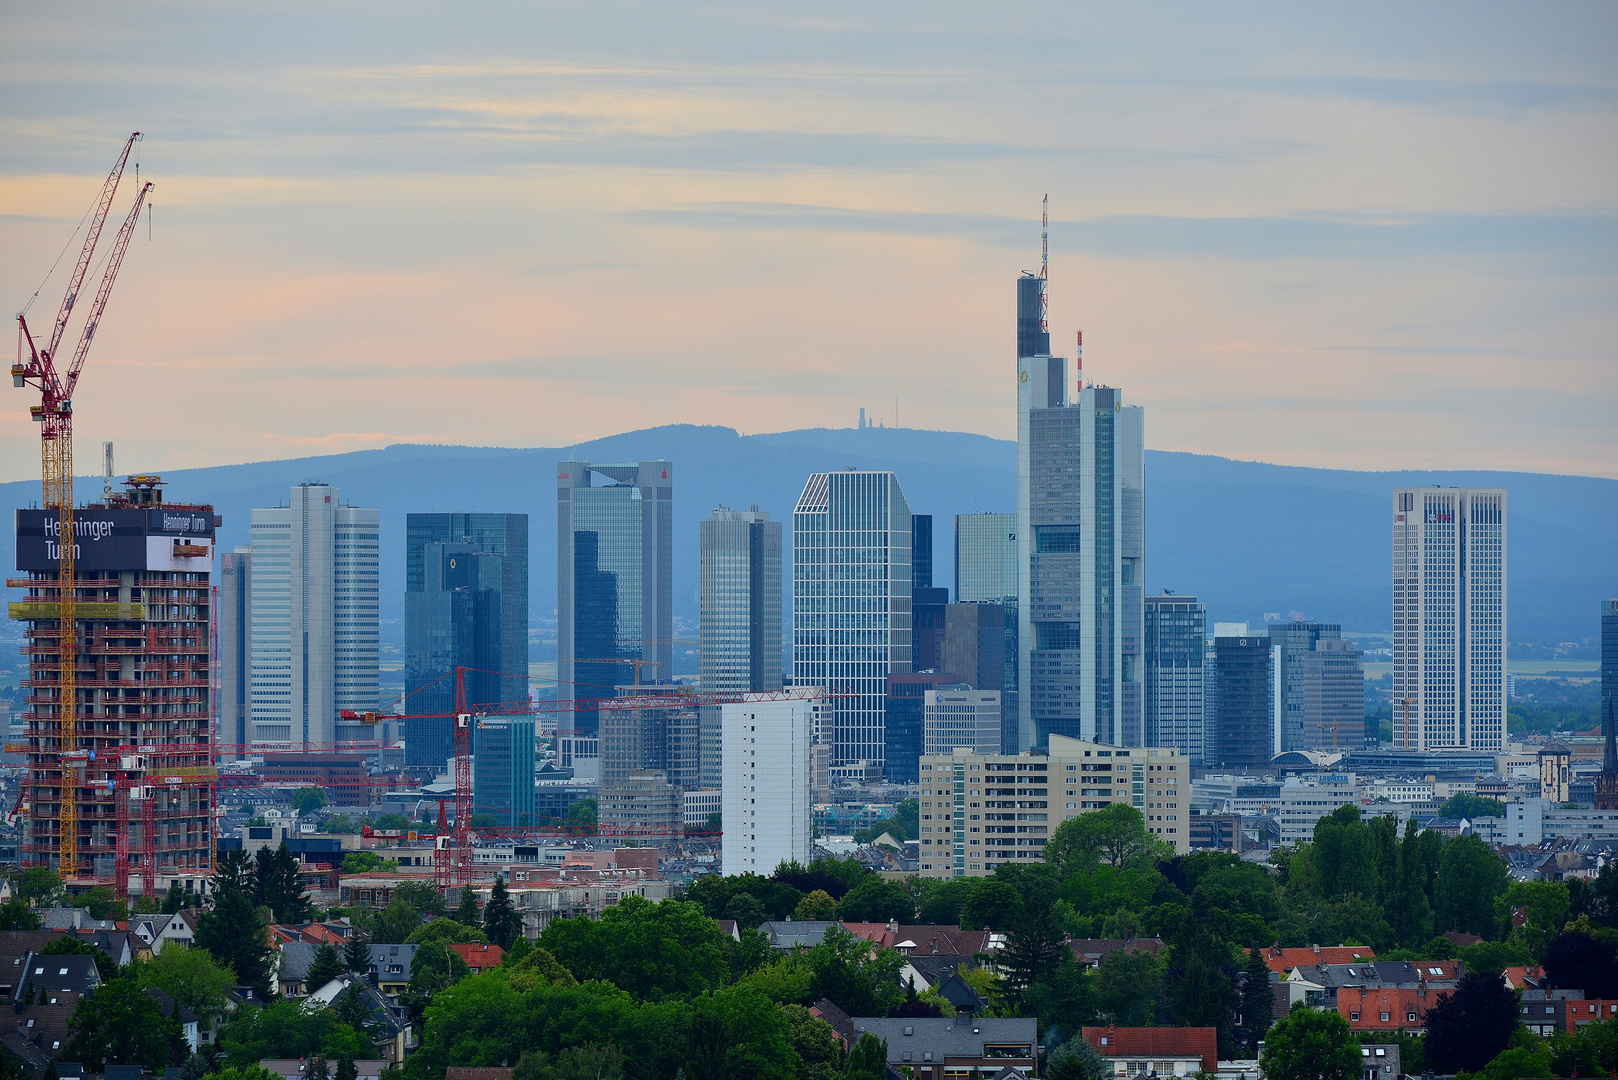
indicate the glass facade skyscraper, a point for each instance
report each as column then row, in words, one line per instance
column 614, row 580
column 466, row 604
column 986, row 573
column 1319, row 699
column 851, row 535
column 739, row 592
column 1176, row 644
column 1242, row 735
column 503, row 769
column 1080, row 560
column 1449, row 618
column 314, row 620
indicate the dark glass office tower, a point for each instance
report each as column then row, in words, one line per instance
column 921, row 551
column 1242, row 733
column 986, row 574
column 1609, row 649
column 466, row 604
column 739, row 590
column 1174, row 651
column 902, row 736
column 614, row 581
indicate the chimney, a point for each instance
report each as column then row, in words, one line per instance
column 1316, row 948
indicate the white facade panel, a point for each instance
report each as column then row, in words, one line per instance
column 767, row 788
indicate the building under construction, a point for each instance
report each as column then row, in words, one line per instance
column 142, row 744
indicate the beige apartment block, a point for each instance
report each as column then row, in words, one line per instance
column 981, row 810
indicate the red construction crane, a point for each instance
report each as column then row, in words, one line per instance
column 37, row 366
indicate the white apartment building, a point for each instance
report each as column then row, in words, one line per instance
column 314, row 620
column 1449, row 618
column 1304, row 801
column 980, row 810
column 964, row 718
column 1400, row 791
column 768, row 784
column 1534, row 820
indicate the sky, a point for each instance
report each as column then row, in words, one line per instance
column 1368, row 236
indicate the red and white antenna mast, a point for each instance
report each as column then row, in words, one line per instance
column 1044, row 264
column 1078, row 352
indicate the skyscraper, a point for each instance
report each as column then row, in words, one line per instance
column 235, row 651
column 314, row 615
column 1080, row 477
column 739, row 594
column 503, row 769
column 767, row 785
column 466, row 605
column 986, row 573
column 1319, row 698
column 1176, row 629
column 1449, row 618
column 1609, row 648
column 614, row 580
column 903, row 722
column 1242, row 735
column 851, row 537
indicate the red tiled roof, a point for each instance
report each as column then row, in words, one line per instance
column 877, row 933
column 1282, row 960
column 1523, row 975
column 1156, row 1042
column 480, row 957
column 1398, row 1004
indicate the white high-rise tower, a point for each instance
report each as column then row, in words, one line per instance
column 1449, row 618
column 315, row 620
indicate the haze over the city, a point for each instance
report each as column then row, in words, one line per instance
column 1371, row 239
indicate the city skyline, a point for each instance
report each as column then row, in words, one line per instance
column 1261, row 224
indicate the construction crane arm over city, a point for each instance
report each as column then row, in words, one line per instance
column 54, row 413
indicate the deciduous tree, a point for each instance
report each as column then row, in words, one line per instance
column 1467, row 1028
column 120, row 1024
column 1310, row 1045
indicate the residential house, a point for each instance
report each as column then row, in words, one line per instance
column 1090, row 952
column 1159, row 1051
column 1379, row 1061
column 1387, row 1009
column 391, row 1021
column 479, row 958
column 390, row 967
column 1282, row 960
column 1328, row 979
column 841, row 1023
column 45, row 995
column 1523, row 977
column 292, row 961
column 1546, row 1012
column 190, row 1027
column 961, row 994
column 792, row 935
column 954, row 1046
column 158, row 931
column 72, row 918
column 293, row 1068
column 944, row 941
column 926, row 972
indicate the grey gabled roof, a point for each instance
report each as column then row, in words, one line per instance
column 947, row 1036
column 296, row 956
column 786, row 935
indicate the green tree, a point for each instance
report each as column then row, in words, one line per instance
column 424, row 897
column 1076, row 1060
column 435, row 967
column 282, row 1029
column 1544, row 905
column 276, row 885
column 102, row 903
column 346, row 1069
column 1409, row 908
column 232, row 933
column 1470, row 876
column 1128, row 985
column 876, row 900
column 307, row 799
column 1310, row 1045
column 500, row 920
column 448, row 932
column 815, row 1043
column 1517, row 1062
column 394, row 924
column 1115, row 835
column 745, row 910
column 325, row 967
column 818, row 906
column 1467, row 1028
column 191, row 977
column 942, row 901
column 466, row 911
column 994, row 905
column 234, row 873
column 1258, row 999
column 651, row 950
column 121, row 1024
column 15, row 914
column 357, row 954
column 1035, row 946
column 1464, row 805
column 174, row 899
column 39, row 887
column 860, row 981
column 368, row 862
column 582, row 812
column 867, row 1059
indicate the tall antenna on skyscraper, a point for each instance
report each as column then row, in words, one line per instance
column 1044, row 264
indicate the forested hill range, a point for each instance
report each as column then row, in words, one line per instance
column 1246, row 537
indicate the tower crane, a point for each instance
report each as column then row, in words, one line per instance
column 37, row 366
